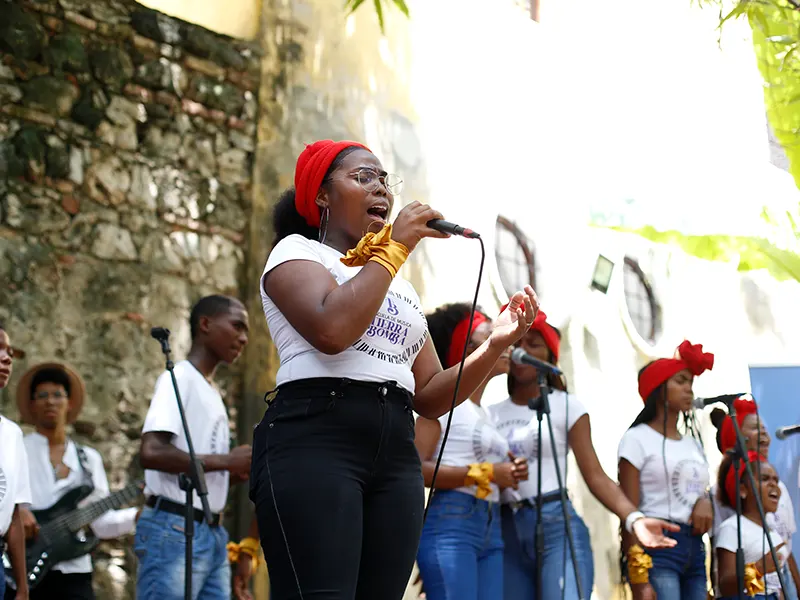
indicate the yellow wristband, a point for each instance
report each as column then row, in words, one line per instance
column 249, row 547
column 639, row 565
column 753, row 580
column 480, row 474
column 380, row 248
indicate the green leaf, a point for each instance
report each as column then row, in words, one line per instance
column 379, row 10
column 402, row 6
column 353, row 4
column 737, row 11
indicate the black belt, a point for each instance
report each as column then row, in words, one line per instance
column 553, row 496
column 161, row 503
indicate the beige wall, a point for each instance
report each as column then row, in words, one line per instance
column 236, row 18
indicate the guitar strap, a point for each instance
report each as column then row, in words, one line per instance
column 84, row 462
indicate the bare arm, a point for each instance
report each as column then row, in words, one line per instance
column 726, row 572
column 428, row 432
column 435, row 386
column 329, row 316
column 16, row 553
column 158, row 453
column 629, row 483
column 601, row 485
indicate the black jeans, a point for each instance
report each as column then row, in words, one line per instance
column 64, row 586
column 337, row 484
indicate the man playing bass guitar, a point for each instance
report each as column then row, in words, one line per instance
column 49, row 397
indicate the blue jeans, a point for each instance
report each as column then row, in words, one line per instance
column 461, row 551
column 161, row 548
column 789, row 592
column 519, row 537
column 679, row 573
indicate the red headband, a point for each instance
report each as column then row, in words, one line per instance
column 727, row 433
column 689, row 357
column 461, row 335
column 540, row 324
column 730, row 478
column 312, row 164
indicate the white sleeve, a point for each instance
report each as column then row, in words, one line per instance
column 791, row 523
column 163, row 414
column 292, row 247
column 726, row 537
column 114, row 523
column 576, row 410
column 24, row 488
column 632, row 449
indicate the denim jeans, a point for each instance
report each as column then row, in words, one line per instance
column 679, row 573
column 789, row 592
column 161, row 548
column 337, row 485
column 461, row 551
column 519, row 537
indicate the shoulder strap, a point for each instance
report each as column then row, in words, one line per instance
column 84, row 462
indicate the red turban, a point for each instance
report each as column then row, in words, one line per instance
column 730, row 478
column 312, row 164
column 460, row 337
column 540, row 324
column 688, row 356
column 727, row 433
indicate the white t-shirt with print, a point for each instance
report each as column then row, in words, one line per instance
column 14, row 484
column 782, row 520
column 520, row 427
column 754, row 544
column 672, row 475
column 208, row 425
column 385, row 352
column 473, row 438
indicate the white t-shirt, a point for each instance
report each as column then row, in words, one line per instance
column 14, row 484
column 385, row 352
column 473, row 438
column 46, row 490
column 782, row 520
column 208, row 426
column 670, row 481
column 520, row 427
column 754, row 544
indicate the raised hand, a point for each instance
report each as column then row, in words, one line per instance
column 515, row 321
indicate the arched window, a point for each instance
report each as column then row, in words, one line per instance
column 515, row 261
column 641, row 302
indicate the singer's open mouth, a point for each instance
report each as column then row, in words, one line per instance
column 380, row 211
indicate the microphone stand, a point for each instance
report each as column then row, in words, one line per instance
column 196, row 478
column 739, row 454
column 542, row 407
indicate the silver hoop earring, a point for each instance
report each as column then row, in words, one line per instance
column 323, row 225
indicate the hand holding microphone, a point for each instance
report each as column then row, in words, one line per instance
column 411, row 225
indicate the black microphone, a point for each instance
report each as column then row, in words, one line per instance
column 159, row 333
column 520, row 357
column 451, row 228
column 726, row 399
column 783, row 432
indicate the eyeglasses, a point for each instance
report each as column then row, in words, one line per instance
column 58, row 395
column 370, row 180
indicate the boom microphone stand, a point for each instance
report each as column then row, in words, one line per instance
column 542, row 407
column 196, row 478
column 739, row 454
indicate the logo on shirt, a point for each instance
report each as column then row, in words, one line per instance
column 3, row 485
column 390, row 337
column 688, row 481
column 220, row 437
column 521, row 437
column 487, row 445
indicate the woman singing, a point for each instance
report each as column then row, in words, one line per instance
column 760, row 573
column 666, row 475
column 461, row 551
column 756, row 439
column 336, row 478
column 571, row 429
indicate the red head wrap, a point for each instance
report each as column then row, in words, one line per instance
column 540, row 324
column 727, row 433
column 688, row 356
column 730, row 478
column 312, row 164
column 461, row 335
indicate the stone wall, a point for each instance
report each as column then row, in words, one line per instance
column 126, row 149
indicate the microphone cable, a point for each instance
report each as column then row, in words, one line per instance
column 458, row 381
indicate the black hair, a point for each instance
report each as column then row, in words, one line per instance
column 285, row 218
column 554, row 381
column 209, row 306
column 51, row 375
column 442, row 323
column 717, row 417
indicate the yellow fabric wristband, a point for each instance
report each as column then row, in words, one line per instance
column 380, row 248
column 249, row 547
column 480, row 474
column 753, row 580
column 639, row 565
